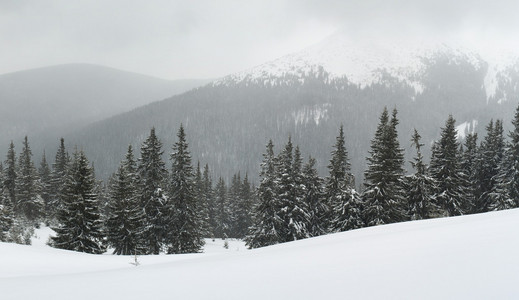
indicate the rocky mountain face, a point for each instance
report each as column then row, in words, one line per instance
column 307, row 95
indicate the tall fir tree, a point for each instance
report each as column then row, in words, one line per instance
column 209, row 201
column 6, row 219
column 6, row 209
column 45, row 181
column 233, row 201
column 222, row 213
column 126, row 222
column 28, row 200
column 446, row 169
column 58, row 178
column 488, row 166
column 505, row 194
column 420, row 186
column 184, row 234
column 513, row 161
column 80, row 226
column 284, row 191
column 288, row 198
column 383, row 196
column 266, row 219
column 243, row 216
column 151, row 178
column 469, row 164
column 298, row 215
column 314, row 198
column 10, row 175
column 343, row 201
column 201, row 198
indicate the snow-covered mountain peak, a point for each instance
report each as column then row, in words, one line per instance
column 361, row 62
column 500, row 64
column 366, row 61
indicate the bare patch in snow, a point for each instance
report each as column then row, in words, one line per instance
column 466, row 128
column 314, row 113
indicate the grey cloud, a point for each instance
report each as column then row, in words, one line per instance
column 204, row 38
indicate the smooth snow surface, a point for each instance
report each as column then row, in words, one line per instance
column 469, row 257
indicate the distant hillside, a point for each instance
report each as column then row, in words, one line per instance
column 307, row 95
column 54, row 100
column 229, row 122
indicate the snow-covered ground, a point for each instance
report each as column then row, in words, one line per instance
column 470, row 257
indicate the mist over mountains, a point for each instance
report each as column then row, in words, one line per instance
column 307, row 95
column 48, row 102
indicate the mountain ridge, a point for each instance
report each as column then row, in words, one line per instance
column 229, row 121
column 57, row 99
column 368, row 62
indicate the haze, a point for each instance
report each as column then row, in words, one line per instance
column 210, row 39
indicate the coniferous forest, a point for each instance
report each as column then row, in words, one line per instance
column 152, row 206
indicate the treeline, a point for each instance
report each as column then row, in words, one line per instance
column 148, row 208
column 295, row 203
column 143, row 209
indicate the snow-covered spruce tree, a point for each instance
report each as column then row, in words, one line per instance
column 58, row 177
column 44, row 174
column 469, row 164
column 203, row 209
column 10, row 175
column 298, row 212
column 490, row 158
column 130, row 164
column 446, row 169
column 222, row 213
column 266, row 221
column 513, row 161
column 343, row 201
column 184, row 231
column 28, row 200
column 125, row 223
column 209, row 201
column 383, row 196
column 151, row 178
column 500, row 197
column 6, row 220
column 80, row 226
column 240, row 205
column 233, row 200
column 243, row 217
column 102, row 189
column 506, row 191
column 314, row 199
column 420, row 187
column 291, row 208
column 6, row 210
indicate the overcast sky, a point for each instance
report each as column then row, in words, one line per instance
column 208, row 38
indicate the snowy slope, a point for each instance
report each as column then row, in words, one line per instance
column 364, row 62
column 470, row 257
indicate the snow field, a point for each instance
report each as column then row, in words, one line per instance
column 468, row 257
